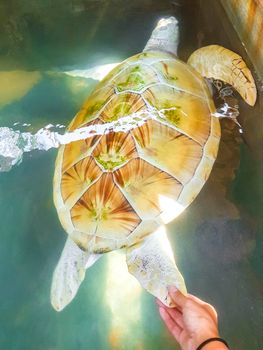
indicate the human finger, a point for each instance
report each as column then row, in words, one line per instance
column 159, row 303
column 176, row 315
column 178, row 298
column 173, row 328
column 208, row 306
column 198, row 300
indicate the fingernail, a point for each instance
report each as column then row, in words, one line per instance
column 172, row 289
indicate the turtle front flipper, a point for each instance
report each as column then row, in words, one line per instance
column 95, row 73
column 217, row 62
column 69, row 273
column 151, row 261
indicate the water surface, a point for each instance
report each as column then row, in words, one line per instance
column 217, row 240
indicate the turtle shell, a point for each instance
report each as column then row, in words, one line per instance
column 112, row 190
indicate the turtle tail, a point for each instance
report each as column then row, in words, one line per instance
column 217, row 62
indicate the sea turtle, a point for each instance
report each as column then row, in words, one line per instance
column 117, row 190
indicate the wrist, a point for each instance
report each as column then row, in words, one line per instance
column 215, row 345
column 200, row 338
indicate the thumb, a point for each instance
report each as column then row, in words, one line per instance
column 177, row 297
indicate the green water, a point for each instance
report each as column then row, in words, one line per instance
column 217, row 240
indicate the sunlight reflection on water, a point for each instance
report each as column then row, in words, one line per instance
column 14, row 143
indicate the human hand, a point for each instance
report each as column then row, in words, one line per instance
column 191, row 322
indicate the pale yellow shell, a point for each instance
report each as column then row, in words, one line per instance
column 114, row 189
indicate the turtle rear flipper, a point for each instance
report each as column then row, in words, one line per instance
column 217, row 62
column 69, row 273
column 151, row 261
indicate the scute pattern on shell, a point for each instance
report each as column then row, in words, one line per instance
column 110, row 190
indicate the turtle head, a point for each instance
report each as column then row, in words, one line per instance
column 165, row 36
